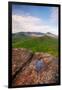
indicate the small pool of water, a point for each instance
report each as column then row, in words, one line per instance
column 39, row 65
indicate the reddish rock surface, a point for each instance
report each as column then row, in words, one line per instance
column 19, row 58
column 24, row 71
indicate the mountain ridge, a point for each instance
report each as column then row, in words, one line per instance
column 35, row 34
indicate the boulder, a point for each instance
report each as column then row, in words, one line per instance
column 28, row 75
column 19, row 58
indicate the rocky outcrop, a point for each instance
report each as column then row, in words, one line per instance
column 19, row 59
column 24, row 70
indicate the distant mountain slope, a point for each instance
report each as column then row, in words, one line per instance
column 51, row 35
column 36, row 44
column 35, row 34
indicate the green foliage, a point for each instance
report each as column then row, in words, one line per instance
column 36, row 44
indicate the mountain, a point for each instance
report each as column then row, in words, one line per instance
column 51, row 35
column 35, row 34
column 46, row 43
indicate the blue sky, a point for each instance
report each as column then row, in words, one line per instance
column 40, row 11
column 47, row 15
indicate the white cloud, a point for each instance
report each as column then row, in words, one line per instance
column 54, row 16
column 22, row 23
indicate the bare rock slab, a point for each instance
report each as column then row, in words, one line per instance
column 28, row 75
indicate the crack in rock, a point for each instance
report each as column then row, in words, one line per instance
column 24, row 68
